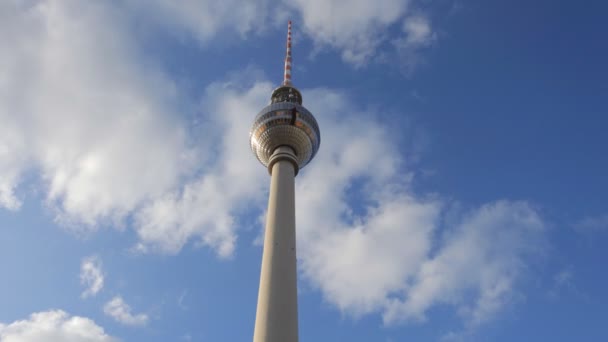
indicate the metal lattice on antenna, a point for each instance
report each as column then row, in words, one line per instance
column 287, row 74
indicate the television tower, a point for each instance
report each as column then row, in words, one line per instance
column 284, row 137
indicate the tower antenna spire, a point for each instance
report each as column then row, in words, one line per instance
column 287, row 74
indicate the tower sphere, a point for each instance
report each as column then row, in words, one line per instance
column 285, row 122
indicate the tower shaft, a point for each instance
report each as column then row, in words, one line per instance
column 277, row 310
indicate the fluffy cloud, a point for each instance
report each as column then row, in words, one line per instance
column 121, row 312
column 54, row 326
column 13, row 65
column 359, row 29
column 477, row 265
column 355, row 211
column 208, row 206
column 12, row 161
column 357, row 266
column 84, row 112
column 103, row 134
column 390, row 250
column 355, row 27
column 98, row 123
column 91, row 276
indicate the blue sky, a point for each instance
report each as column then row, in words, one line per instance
column 458, row 194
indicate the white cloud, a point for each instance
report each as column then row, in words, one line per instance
column 418, row 35
column 356, row 28
column 359, row 29
column 418, row 31
column 12, row 162
column 54, row 325
column 357, row 266
column 357, row 256
column 371, row 245
column 121, row 312
column 206, row 19
column 99, row 123
column 91, row 276
column 206, row 207
column 477, row 265
column 14, row 57
column 84, row 112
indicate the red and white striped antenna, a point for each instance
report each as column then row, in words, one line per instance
column 287, row 74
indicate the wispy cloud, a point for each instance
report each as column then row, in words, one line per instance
column 356, row 29
column 562, row 280
column 180, row 300
column 592, row 224
column 418, row 34
column 54, row 325
column 121, row 312
column 91, row 276
column 205, row 20
column 565, row 284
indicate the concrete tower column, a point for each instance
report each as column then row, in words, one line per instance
column 277, row 311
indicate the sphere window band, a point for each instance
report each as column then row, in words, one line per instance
column 287, row 94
